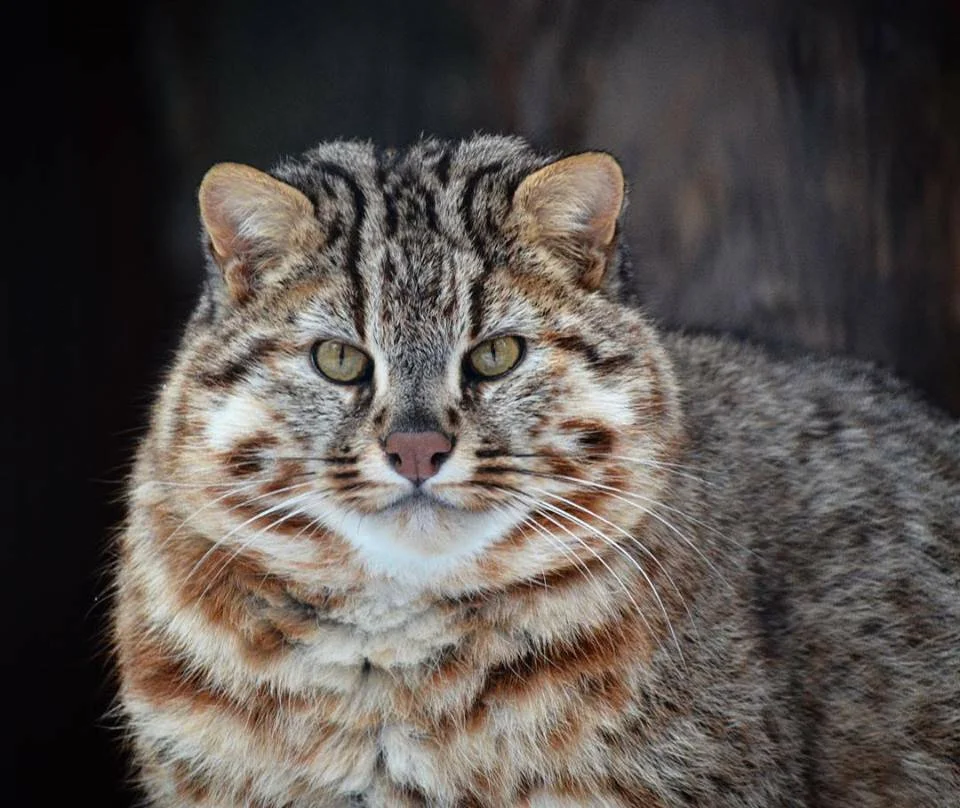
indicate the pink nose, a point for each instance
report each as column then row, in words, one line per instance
column 417, row 455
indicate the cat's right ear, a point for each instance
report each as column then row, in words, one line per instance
column 253, row 221
column 571, row 209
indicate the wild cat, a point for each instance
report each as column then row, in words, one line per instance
column 426, row 517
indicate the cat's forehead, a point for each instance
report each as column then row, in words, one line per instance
column 418, row 227
column 426, row 201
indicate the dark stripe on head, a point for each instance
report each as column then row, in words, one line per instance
column 335, row 231
column 430, row 208
column 390, row 213
column 481, row 229
column 389, row 269
column 466, row 209
column 353, row 244
column 442, row 168
column 575, row 344
column 238, row 368
column 470, row 225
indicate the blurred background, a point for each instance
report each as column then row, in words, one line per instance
column 794, row 173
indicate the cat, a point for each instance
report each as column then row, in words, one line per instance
column 426, row 516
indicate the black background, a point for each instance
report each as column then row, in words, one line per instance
column 113, row 113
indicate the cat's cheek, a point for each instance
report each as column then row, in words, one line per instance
column 240, row 417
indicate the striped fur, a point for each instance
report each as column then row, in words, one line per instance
column 658, row 570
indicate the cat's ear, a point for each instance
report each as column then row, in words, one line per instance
column 571, row 208
column 252, row 221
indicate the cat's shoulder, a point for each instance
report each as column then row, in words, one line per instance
column 709, row 366
column 732, row 390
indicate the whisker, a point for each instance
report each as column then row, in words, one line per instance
column 638, row 544
column 238, row 506
column 233, row 531
column 627, row 497
column 244, row 545
column 556, row 541
column 538, row 505
column 684, row 469
column 613, row 545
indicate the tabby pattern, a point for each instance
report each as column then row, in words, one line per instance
column 645, row 570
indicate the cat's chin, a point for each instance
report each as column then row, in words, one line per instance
column 419, row 538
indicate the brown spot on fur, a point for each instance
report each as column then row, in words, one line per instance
column 608, row 690
column 653, row 407
column 611, row 365
column 544, row 292
column 594, row 437
column 565, row 734
column 561, row 465
column 604, row 652
column 234, row 592
column 602, row 365
column 191, row 786
column 244, row 458
column 156, row 674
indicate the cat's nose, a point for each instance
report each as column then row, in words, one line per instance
column 417, row 455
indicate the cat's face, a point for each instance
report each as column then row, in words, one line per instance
column 416, row 373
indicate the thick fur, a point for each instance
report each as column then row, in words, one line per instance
column 658, row 570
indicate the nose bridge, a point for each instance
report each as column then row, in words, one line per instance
column 419, row 391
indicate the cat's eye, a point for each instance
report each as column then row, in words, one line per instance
column 494, row 357
column 340, row 362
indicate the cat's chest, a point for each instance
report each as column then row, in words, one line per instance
column 439, row 708
column 420, row 740
column 424, row 708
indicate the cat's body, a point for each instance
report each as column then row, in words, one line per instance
column 666, row 570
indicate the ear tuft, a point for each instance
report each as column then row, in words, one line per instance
column 251, row 217
column 571, row 207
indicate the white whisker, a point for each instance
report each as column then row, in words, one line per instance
column 538, row 508
column 613, row 545
column 627, row 497
column 254, row 518
column 636, row 542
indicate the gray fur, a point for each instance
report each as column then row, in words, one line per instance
column 832, row 508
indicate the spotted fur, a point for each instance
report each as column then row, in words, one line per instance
column 657, row 570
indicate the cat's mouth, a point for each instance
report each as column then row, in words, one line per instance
column 419, row 500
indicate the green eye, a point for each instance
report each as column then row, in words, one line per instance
column 495, row 356
column 340, row 362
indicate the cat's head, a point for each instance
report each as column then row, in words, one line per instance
column 415, row 364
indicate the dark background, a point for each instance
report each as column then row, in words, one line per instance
column 795, row 177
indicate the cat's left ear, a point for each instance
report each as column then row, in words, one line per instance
column 253, row 221
column 571, row 208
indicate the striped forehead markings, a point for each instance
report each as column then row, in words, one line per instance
column 476, row 240
column 352, row 260
column 466, row 209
